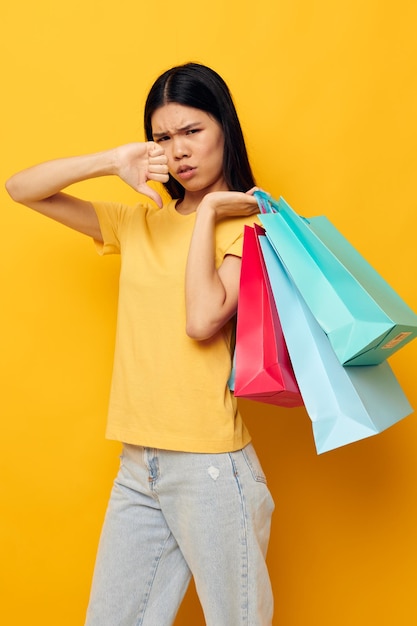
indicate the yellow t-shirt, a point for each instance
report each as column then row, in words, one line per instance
column 168, row 391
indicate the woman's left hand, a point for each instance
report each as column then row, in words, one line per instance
column 230, row 204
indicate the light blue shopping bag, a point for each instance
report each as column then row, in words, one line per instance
column 365, row 320
column 345, row 404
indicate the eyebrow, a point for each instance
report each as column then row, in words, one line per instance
column 179, row 130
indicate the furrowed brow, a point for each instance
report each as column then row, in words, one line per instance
column 179, row 130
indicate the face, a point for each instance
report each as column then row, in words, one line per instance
column 194, row 144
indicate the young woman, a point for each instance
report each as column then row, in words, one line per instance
column 190, row 497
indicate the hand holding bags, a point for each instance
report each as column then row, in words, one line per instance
column 263, row 371
column 363, row 317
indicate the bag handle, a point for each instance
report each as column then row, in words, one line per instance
column 266, row 202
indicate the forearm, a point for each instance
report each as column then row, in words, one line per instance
column 210, row 300
column 46, row 179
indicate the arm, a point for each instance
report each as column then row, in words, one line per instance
column 212, row 294
column 40, row 187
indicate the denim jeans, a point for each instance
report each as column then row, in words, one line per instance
column 173, row 515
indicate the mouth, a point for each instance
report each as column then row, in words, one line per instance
column 186, row 172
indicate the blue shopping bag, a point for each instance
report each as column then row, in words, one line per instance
column 365, row 320
column 345, row 404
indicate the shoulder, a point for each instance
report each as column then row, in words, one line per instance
column 229, row 235
column 234, row 227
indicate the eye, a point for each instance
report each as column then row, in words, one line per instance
column 192, row 131
column 162, row 139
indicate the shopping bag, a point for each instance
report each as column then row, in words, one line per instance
column 365, row 320
column 262, row 367
column 345, row 404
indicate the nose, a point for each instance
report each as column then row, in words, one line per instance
column 181, row 149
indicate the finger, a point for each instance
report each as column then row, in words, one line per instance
column 158, row 171
column 158, row 168
column 251, row 191
column 151, row 193
column 250, row 199
column 158, row 160
column 154, row 149
column 159, row 176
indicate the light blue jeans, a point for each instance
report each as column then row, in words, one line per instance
column 173, row 515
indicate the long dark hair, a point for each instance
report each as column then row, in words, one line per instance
column 200, row 87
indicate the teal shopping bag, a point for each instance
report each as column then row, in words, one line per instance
column 365, row 320
column 345, row 404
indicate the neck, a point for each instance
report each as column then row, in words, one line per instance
column 185, row 207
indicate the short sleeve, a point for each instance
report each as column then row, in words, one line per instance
column 110, row 216
column 235, row 247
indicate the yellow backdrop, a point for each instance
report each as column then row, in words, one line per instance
column 326, row 92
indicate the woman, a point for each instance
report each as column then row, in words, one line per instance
column 190, row 498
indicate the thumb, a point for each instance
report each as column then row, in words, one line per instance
column 146, row 190
column 251, row 191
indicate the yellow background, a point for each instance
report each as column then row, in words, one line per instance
column 326, row 92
